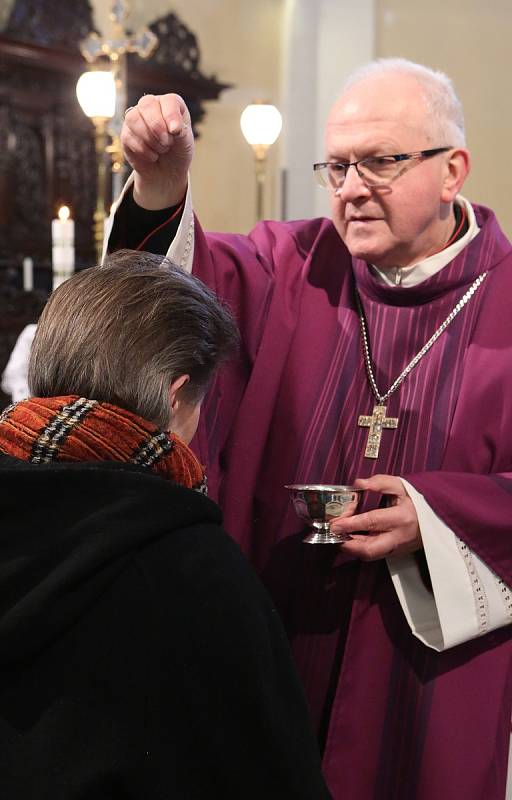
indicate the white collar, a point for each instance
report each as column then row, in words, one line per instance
column 411, row 276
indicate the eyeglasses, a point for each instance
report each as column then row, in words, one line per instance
column 374, row 171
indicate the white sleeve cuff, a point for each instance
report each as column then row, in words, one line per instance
column 467, row 600
column 181, row 249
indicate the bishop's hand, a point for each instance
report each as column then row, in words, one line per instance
column 158, row 143
column 391, row 531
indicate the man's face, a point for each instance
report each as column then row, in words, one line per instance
column 400, row 224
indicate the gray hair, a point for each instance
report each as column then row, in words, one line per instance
column 443, row 105
column 122, row 334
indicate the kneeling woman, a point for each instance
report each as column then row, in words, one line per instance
column 139, row 655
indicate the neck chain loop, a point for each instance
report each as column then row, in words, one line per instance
column 381, row 398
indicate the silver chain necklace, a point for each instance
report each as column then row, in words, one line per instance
column 378, row 420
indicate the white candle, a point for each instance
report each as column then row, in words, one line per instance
column 63, row 228
column 28, row 274
column 63, row 251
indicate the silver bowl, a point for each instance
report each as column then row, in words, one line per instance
column 317, row 504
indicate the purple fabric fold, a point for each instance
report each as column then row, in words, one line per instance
column 478, row 508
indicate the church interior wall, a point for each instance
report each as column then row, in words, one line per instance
column 296, row 53
column 463, row 38
column 240, row 43
column 470, row 41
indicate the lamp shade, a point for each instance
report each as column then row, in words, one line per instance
column 261, row 123
column 96, row 92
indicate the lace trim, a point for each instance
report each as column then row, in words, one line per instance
column 479, row 595
column 186, row 257
column 506, row 595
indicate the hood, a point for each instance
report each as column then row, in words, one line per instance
column 66, row 532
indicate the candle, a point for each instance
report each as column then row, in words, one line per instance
column 63, row 250
column 28, row 274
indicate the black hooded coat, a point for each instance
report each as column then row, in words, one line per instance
column 140, row 657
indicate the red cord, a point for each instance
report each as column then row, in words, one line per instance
column 162, row 225
column 455, row 235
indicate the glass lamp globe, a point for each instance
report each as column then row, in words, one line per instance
column 261, row 124
column 96, row 93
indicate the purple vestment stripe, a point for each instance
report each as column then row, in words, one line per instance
column 399, row 720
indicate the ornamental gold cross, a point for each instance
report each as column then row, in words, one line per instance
column 377, row 422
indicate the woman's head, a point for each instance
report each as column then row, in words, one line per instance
column 139, row 333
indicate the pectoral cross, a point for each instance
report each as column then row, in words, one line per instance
column 377, row 422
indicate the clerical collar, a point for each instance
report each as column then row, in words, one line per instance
column 415, row 274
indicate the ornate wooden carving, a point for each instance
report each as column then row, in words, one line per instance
column 47, row 155
column 174, row 66
column 50, row 23
column 177, row 47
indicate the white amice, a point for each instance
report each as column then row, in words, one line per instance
column 416, row 273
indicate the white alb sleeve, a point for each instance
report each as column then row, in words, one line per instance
column 181, row 249
column 467, row 599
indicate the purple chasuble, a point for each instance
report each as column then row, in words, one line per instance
column 395, row 718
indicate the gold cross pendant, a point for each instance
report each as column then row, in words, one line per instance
column 377, row 422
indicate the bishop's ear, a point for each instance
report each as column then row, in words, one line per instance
column 457, row 168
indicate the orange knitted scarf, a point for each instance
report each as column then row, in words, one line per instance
column 46, row 429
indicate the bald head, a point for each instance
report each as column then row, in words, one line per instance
column 381, row 106
column 431, row 89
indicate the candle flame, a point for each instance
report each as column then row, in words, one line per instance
column 63, row 212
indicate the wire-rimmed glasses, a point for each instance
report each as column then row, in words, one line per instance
column 373, row 171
